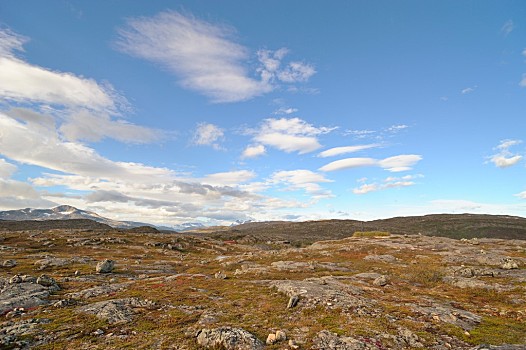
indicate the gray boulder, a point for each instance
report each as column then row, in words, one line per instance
column 228, row 338
column 105, row 266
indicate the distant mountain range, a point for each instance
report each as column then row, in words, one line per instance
column 64, row 212
column 67, row 212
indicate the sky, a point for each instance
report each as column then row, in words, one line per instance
column 216, row 112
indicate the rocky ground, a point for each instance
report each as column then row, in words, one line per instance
column 109, row 289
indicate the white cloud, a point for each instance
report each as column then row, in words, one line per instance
column 507, row 28
column 388, row 183
column 10, row 42
column 296, row 72
column 86, row 126
column 205, row 56
column 229, row 177
column 23, row 82
column 336, row 151
column 17, row 194
column 284, row 110
column 505, row 158
column 504, row 162
column 301, row 179
column 394, row 164
column 37, row 144
column 366, row 188
column 523, row 81
column 6, row 169
column 521, row 195
column 400, row 163
column 467, row 90
column 289, row 135
column 360, row 134
column 253, row 151
column 524, row 52
column 349, row 163
column 84, row 106
column 207, row 135
column 396, row 128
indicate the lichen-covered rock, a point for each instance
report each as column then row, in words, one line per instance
column 22, row 295
column 105, row 266
column 229, row 338
column 116, row 310
column 326, row 340
column 9, row 263
column 509, row 264
column 381, row 281
column 382, row 258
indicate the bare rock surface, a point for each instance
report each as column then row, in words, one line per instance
column 326, row 340
column 98, row 290
column 449, row 314
column 25, row 292
column 322, row 291
column 228, row 338
column 115, row 310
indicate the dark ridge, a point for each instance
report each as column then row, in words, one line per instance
column 445, row 225
column 72, row 224
column 143, row 229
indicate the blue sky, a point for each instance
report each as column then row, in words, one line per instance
column 204, row 111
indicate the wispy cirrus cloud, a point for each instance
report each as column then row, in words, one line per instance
column 206, row 57
column 336, row 151
column 507, row 27
column 398, row 163
column 468, row 90
column 285, row 110
column 289, row 135
column 504, row 158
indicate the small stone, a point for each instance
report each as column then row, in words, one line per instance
column 220, row 275
column 46, row 281
column 281, row 336
column 98, row 332
column 271, row 339
column 381, row 281
column 15, row 279
column 105, row 266
column 9, row 263
column 509, row 264
column 293, row 301
column 77, row 273
column 293, row 344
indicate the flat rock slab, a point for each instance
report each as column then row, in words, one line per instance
column 26, row 295
column 99, row 290
column 325, row 291
column 115, row 310
column 325, row 340
column 228, row 338
column 448, row 314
